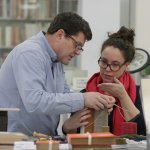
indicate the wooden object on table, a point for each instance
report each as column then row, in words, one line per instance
column 90, row 147
column 98, row 122
column 11, row 137
column 47, row 145
column 7, row 147
column 88, row 140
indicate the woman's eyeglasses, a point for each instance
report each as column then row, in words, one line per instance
column 113, row 67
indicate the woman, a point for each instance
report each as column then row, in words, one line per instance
column 116, row 54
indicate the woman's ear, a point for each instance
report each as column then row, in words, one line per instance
column 126, row 65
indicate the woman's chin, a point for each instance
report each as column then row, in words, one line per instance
column 108, row 80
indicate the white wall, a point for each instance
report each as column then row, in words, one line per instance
column 108, row 15
column 140, row 21
column 103, row 16
column 142, row 24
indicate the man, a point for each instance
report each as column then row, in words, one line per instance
column 32, row 77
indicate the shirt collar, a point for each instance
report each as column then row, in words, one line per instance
column 49, row 49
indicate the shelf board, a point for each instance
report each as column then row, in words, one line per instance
column 24, row 20
column 6, row 47
column 9, row 109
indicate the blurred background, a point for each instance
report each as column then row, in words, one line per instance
column 20, row 19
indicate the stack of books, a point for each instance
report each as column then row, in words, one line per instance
column 47, row 145
column 98, row 140
column 7, row 139
column 24, row 145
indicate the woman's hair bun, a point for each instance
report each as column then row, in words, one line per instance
column 125, row 34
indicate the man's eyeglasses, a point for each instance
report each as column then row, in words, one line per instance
column 113, row 67
column 76, row 43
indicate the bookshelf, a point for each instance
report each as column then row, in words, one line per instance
column 20, row 19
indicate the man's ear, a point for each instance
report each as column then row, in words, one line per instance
column 60, row 33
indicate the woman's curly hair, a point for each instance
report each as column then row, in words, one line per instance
column 124, row 41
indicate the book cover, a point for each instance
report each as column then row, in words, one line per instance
column 91, row 147
column 47, row 145
column 6, row 147
column 99, row 138
column 11, row 137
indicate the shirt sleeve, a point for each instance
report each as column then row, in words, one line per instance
column 29, row 72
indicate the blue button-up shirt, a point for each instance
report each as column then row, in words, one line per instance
column 28, row 82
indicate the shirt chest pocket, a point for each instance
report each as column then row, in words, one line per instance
column 55, row 80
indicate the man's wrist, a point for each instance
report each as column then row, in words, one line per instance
column 65, row 130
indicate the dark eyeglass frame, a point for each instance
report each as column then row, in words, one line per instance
column 77, row 45
column 110, row 65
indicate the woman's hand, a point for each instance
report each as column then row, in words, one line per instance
column 116, row 89
column 76, row 120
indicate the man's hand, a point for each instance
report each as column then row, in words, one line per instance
column 77, row 120
column 93, row 100
column 98, row 101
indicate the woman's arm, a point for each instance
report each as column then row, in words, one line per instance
column 117, row 90
column 129, row 109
